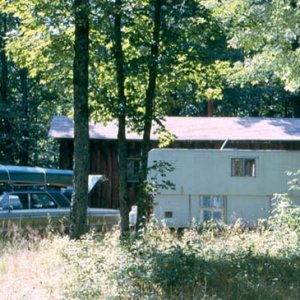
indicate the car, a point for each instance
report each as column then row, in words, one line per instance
column 39, row 208
column 34, row 198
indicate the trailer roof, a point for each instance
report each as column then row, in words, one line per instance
column 195, row 129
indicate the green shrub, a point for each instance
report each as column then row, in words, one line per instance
column 285, row 214
column 207, row 262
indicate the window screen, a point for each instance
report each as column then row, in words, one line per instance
column 243, row 167
column 212, row 207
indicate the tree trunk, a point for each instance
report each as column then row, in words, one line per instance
column 122, row 147
column 6, row 144
column 143, row 204
column 24, row 151
column 78, row 214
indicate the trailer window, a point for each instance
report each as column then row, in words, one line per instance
column 168, row 218
column 243, row 167
column 168, row 214
column 212, row 207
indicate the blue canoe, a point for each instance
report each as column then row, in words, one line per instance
column 35, row 175
column 42, row 176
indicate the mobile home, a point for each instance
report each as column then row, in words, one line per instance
column 222, row 185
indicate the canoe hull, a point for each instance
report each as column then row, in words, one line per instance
column 35, row 175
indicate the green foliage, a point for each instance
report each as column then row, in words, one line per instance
column 265, row 100
column 158, row 177
column 268, row 31
column 43, row 40
column 189, row 62
column 86, row 269
column 29, row 132
column 156, row 263
column 211, row 262
column 285, row 213
column 91, row 264
column 31, row 103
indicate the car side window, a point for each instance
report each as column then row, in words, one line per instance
column 60, row 199
column 10, row 201
column 23, row 198
column 14, row 202
column 41, row 200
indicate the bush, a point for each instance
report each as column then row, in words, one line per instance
column 285, row 214
column 156, row 263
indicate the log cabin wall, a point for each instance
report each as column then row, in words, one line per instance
column 66, row 150
column 104, row 160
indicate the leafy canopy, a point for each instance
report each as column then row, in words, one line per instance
column 268, row 32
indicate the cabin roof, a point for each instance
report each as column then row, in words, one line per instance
column 195, row 129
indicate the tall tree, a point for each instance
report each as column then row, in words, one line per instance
column 122, row 148
column 149, row 105
column 24, row 149
column 6, row 143
column 78, row 214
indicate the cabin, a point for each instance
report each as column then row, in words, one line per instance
column 189, row 133
column 223, row 185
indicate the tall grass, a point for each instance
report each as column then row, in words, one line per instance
column 31, row 266
column 207, row 262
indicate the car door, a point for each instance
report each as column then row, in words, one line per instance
column 14, row 210
column 32, row 209
column 45, row 211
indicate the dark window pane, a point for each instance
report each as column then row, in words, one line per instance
column 242, row 167
column 42, row 201
column 168, row 214
column 60, row 199
column 14, row 202
column 217, row 215
column 206, row 201
column 206, row 215
column 237, row 167
column 249, row 167
column 24, row 199
column 217, row 202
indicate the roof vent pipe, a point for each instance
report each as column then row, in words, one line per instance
column 210, row 108
column 224, row 144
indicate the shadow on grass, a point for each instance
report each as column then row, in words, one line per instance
column 181, row 275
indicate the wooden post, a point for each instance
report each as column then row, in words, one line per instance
column 210, row 108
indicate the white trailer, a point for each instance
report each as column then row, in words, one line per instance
column 220, row 184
